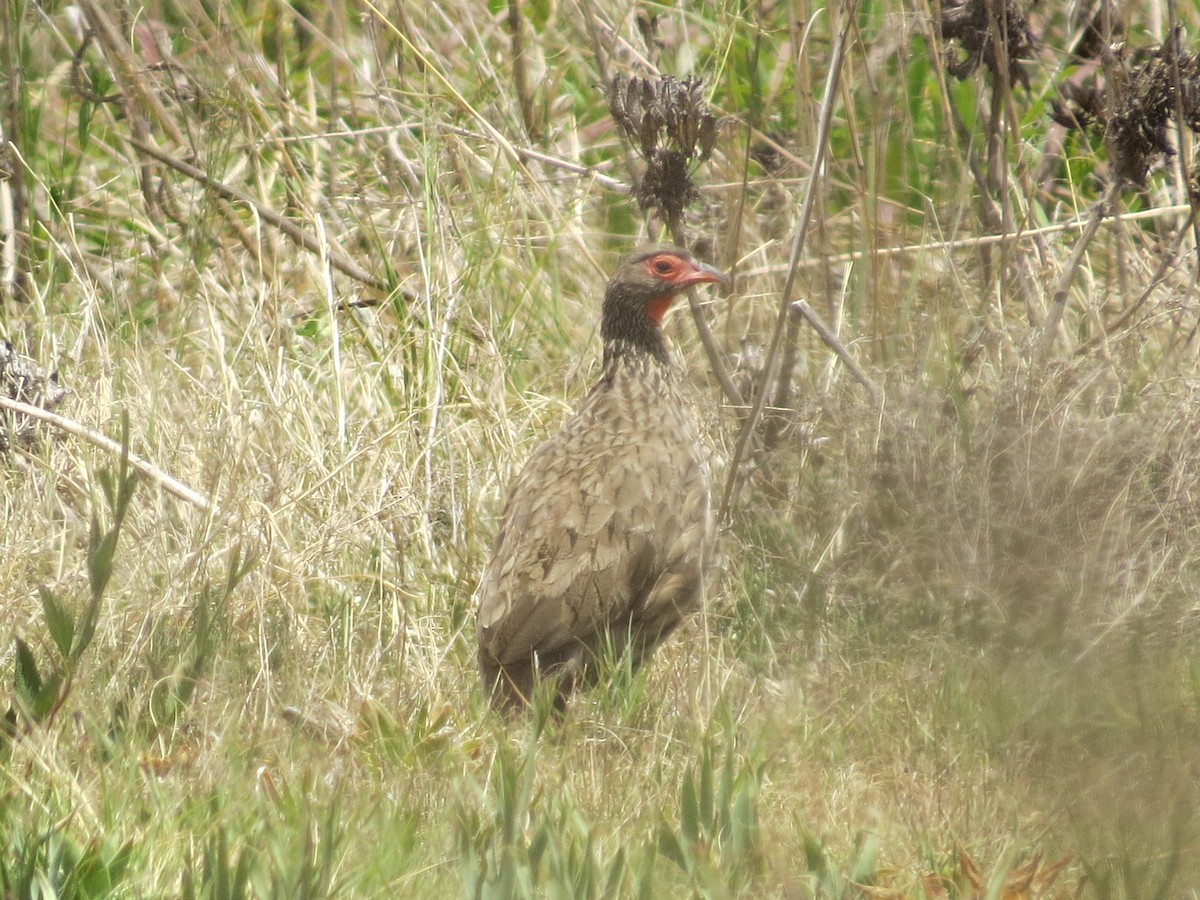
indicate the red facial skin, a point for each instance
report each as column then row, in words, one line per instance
column 679, row 273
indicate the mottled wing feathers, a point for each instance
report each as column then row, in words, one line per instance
column 606, row 527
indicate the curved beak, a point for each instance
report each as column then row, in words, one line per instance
column 702, row 273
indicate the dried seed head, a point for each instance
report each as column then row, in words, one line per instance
column 967, row 21
column 710, row 127
column 672, row 127
column 1145, row 97
column 26, row 382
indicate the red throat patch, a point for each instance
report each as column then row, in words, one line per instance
column 657, row 308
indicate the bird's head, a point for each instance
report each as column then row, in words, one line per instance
column 641, row 290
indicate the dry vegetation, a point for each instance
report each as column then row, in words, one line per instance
column 330, row 273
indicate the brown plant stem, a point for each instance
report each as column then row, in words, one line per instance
column 711, row 350
column 824, row 124
column 1165, row 263
column 1182, row 135
column 520, row 73
column 831, row 340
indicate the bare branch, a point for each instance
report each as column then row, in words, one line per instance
column 340, row 262
column 144, row 467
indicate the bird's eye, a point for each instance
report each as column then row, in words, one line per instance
column 663, row 267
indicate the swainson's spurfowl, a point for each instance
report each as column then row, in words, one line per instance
column 606, row 531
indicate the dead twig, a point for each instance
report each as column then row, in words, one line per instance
column 526, row 154
column 802, row 309
column 138, row 101
column 279, row 558
column 340, row 262
column 960, row 244
column 1168, row 260
column 1058, row 302
column 143, row 466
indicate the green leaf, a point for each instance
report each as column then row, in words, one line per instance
column 538, row 846
column 645, row 876
column 705, row 796
column 47, row 697
column 86, row 628
column 616, row 874
column 866, row 859
column 240, row 564
column 742, row 824
column 8, row 728
column 118, row 491
column 59, row 621
column 28, row 678
column 689, row 813
column 101, row 549
column 119, row 861
column 814, row 856
column 669, row 846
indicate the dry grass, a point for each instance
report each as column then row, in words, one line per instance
column 964, row 618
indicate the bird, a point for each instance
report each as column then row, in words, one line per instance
column 605, row 535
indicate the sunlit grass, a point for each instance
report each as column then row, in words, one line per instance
column 952, row 638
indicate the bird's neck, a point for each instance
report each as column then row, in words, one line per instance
column 629, row 326
column 649, row 351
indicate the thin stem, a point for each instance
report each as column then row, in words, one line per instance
column 145, row 467
column 806, row 312
column 520, row 73
column 825, row 123
column 706, row 336
column 342, row 263
column 1182, row 137
column 1058, row 301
